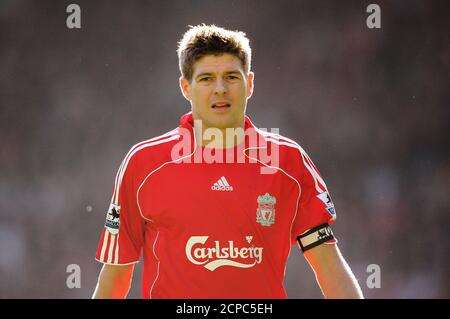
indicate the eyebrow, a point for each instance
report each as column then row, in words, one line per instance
column 210, row 74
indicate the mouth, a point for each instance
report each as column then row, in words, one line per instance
column 221, row 106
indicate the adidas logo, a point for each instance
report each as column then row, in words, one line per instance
column 222, row 185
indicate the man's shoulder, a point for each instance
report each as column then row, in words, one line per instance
column 156, row 148
column 285, row 145
column 285, row 153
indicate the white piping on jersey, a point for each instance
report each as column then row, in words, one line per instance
column 125, row 160
column 157, row 169
column 305, row 157
column 116, row 253
column 104, row 244
column 111, row 264
column 313, row 171
column 273, row 137
column 316, row 177
column 111, row 246
column 157, row 272
column 151, row 142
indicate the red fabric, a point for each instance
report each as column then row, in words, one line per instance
column 201, row 242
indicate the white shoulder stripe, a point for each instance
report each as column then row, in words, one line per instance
column 277, row 137
column 277, row 141
column 105, row 242
column 307, row 162
column 316, row 177
column 125, row 160
column 124, row 165
column 116, row 253
column 111, row 246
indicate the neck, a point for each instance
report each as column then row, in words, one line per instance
column 219, row 138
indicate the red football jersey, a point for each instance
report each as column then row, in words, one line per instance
column 213, row 229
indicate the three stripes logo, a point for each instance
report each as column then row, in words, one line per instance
column 222, row 185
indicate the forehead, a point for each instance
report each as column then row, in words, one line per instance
column 217, row 63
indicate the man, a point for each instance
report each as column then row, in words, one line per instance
column 216, row 217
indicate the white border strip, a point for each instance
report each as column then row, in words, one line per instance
column 159, row 262
column 104, row 244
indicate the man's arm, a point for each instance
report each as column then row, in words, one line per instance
column 114, row 281
column 333, row 274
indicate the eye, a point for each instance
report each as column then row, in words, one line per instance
column 232, row 77
column 205, row 79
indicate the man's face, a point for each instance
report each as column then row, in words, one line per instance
column 218, row 91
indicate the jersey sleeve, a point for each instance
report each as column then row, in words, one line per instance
column 315, row 207
column 122, row 236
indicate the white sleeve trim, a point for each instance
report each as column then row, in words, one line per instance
column 112, row 264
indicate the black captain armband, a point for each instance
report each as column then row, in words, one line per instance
column 315, row 236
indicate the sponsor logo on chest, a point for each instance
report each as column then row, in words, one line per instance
column 213, row 255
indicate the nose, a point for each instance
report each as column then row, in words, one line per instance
column 220, row 87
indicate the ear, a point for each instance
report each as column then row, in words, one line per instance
column 184, row 86
column 250, row 84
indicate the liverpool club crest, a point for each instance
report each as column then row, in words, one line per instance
column 265, row 214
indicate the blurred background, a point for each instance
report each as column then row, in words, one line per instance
column 370, row 106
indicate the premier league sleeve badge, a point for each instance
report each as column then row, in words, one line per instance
column 113, row 219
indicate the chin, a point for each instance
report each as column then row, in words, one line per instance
column 220, row 121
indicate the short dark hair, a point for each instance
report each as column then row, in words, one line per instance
column 202, row 40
